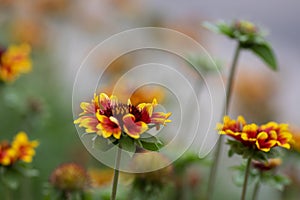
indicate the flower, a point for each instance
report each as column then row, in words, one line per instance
column 262, row 137
column 21, row 149
column 107, row 117
column 266, row 166
column 296, row 140
column 25, row 149
column 69, row 177
column 249, row 37
column 13, row 61
column 245, row 27
column 7, row 154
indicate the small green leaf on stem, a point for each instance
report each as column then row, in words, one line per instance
column 128, row 144
column 265, row 52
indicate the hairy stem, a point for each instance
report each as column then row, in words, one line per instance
column 116, row 174
column 246, row 179
column 256, row 190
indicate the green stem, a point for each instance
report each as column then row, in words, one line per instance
column 216, row 159
column 116, row 174
column 256, row 190
column 246, row 178
column 6, row 189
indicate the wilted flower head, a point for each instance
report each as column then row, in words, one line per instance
column 107, row 117
column 266, row 166
column 262, row 138
column 69, row 177
column 14, row 61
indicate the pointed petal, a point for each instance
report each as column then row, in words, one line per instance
column 108, row 127
column 133, row 129
column 104, row 100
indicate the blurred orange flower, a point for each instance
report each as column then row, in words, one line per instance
column 266, row 166
column 7, row 154
column 14, row 61
column 100, row 177
column 21, row 149
column 24, row 147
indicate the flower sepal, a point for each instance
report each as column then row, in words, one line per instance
column 103, row 144
column 146, row 141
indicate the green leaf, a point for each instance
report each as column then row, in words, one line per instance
column 101, row 143
column 128, row 144
column 226, row 29
column 260, row 156
column 151, row 146
column 11, row 178
column 220, row 27
column 277, row 181
column 147, row 137
column 265, row 52
column 29, row 172
column 210, row 26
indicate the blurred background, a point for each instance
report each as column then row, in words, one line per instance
column 61, row 34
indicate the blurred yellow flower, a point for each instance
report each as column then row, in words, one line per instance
column 100, row 177
column 25, row 149
column 20, row 149
column 14, row 61
column 8, row 155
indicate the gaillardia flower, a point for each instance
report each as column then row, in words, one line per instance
column 24, row 147
column 21, row 149
column 7, row 154
column 14, row 61
column 107, row 117
column 262, row 137
column 266, row 166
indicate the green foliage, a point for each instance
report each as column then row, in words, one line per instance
column 127, row 144
column 146, row 141
column 276, row 181
column 11, row 176
column 267, row 177
column 238, row 178
column 102, row 143
column 236, row 147
column 265, row 52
